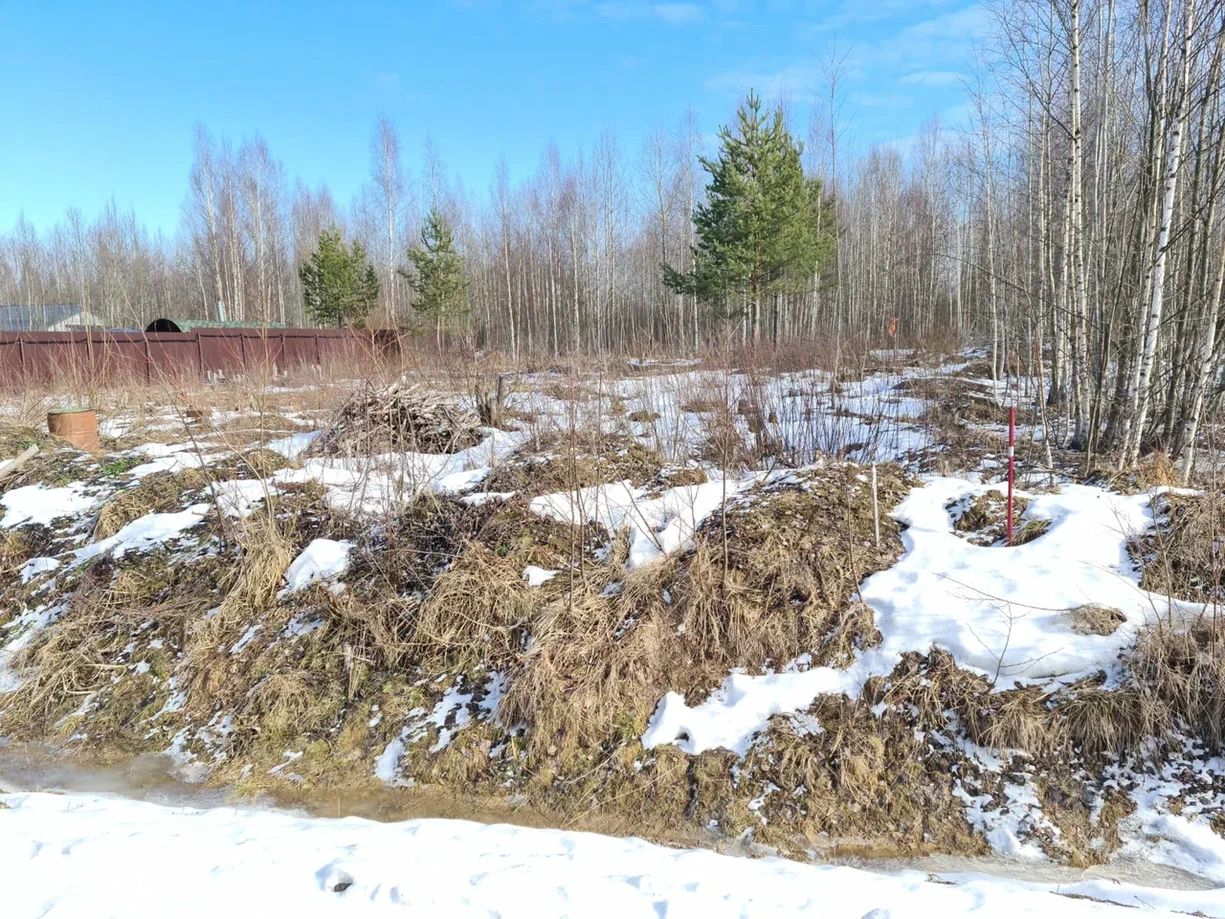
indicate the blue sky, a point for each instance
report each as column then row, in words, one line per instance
column 98, row 101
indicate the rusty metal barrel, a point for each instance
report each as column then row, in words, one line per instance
column 78, row 426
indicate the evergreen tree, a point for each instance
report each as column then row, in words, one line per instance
column 757, row 227
column 436, row 276
column 339, row 284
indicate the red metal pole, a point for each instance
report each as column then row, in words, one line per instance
column 1012, row 464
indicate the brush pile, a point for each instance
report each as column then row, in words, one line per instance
column 400, row 416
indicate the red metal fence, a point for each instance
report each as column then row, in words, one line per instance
column 98, row 356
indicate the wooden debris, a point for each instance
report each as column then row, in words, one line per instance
column 400, row 416
column 11, row 466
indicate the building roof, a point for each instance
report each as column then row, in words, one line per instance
column 167, row 324
column 24, row 317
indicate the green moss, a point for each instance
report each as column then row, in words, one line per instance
column 119, row 466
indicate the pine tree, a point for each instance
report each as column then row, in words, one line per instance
column 436, row 276
column 757, row 227
column 339, row 284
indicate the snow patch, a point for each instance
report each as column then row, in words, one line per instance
column 36, row 566
column 64, row 853
column 1000, row 611
column 323, row 559
column 40, row 505
column 535, row 575
column 657, row 526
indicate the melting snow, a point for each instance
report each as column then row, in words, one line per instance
column 75, row 854
column 372, row 484
column 40, row 505
column 1000, row 611
column 535, row 575
column 323, row 559
column 36, row 566
column 239, row 497
column 657, row 525
column 144, row 532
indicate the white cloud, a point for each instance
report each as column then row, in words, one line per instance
column 882, row 100
column 932, row 78
column 675, row 14
column 925, row 53
column 800, row 80
column 857, row 13
column 678, row 13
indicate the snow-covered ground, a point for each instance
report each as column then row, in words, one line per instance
column 1002, row 612
column 76, row 855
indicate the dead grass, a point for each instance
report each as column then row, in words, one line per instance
column 479, row 612
column 1111, row 722
column 983, row 520
column 251, row 584
column 16, row 548
column 955, row 401
column 786, row 585
column 869, row 785
column 251, row 463
column 1182, row 669
column 85, row 664
column 1094, row 619
column 157, row 493
column 1182, row 556
column 1152, row 472
column 556, row 461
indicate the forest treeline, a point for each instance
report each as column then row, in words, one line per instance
column 1076, row 214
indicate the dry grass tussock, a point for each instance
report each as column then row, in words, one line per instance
column 479, row 611
column 157, row 493
column 16, row 548
column 265, row 553
column 1182, row 556
column 1153, row 471
column 776, row 589
column 451, row 576
column 84, row 669
column 983, row 520
column 1094, row 619
column 555, row 461
column 871, row 785
column 1174, row 683
column 1180, row 673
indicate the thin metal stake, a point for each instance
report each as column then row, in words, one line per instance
column 1012, row 464
column 875, row 508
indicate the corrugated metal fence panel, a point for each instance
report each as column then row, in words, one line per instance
column 29, row 357
column 173, row 357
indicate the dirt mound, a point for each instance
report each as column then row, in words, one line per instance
column 761, row 587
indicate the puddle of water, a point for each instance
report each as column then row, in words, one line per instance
column 152, row 778
column 157, row 779
column 146, row 777
column 1123, row 870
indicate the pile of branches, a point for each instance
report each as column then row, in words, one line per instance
column 400, row 416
